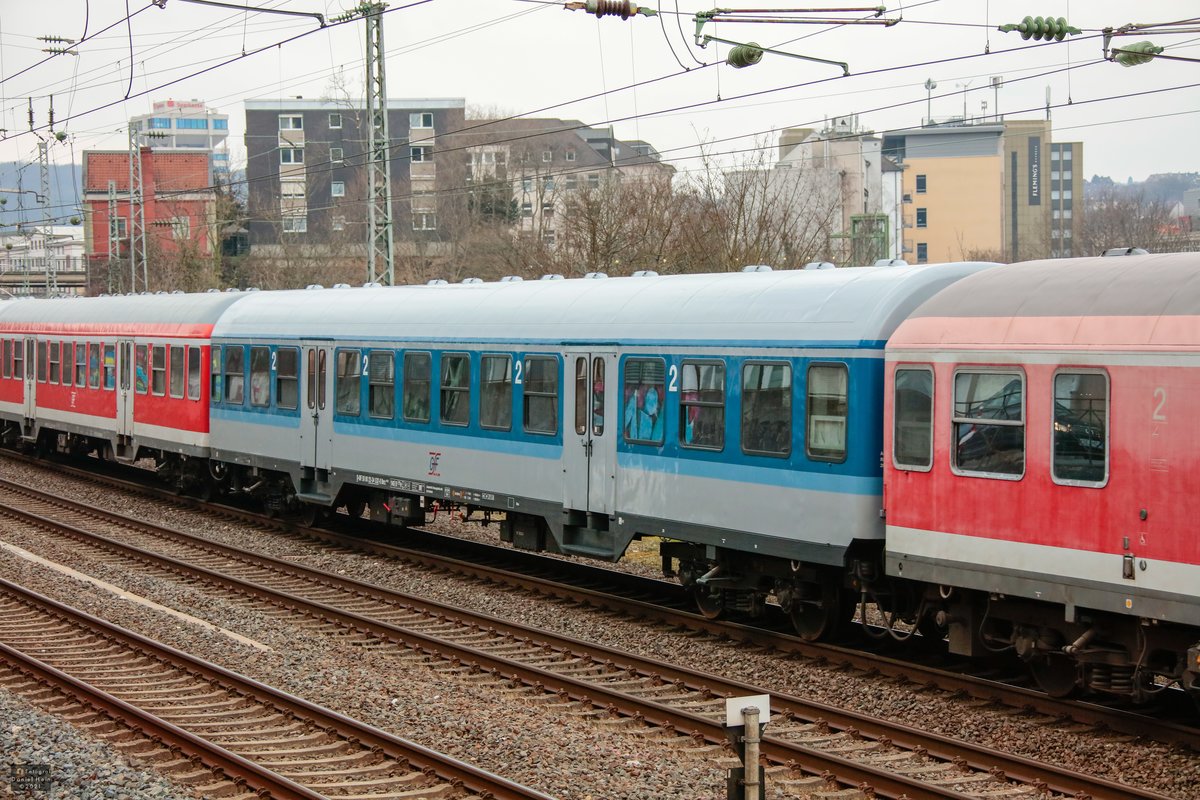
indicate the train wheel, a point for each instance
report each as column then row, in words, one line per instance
column 1057, row 675
column 709, row 602
column 818, row 618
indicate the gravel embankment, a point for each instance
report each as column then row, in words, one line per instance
column 559, row 754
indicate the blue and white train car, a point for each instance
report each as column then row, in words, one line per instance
column 737, row 414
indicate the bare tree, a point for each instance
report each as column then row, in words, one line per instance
column 1121, row 219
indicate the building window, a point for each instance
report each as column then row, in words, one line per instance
column 702, row 405
column 527, row 209
column 989, row 423
column 122, row 229
column 424, row 221
column 181, row 228
column 571, row 183
column 191, row 124
column 547, row 156
column 922, row 253
column 827, row 410
column 422, row 119
column 547, row 210
column 921, row 184
column 335, row 120
column 338, row 223
column 593, row 179
column 220, row 124
column 293, row 224
column 421, row 153
column 540, row 395
column 495, row 393
column 547, row 184
column 548, row 238
column 527, row 185
column 912, row 432
column 291, row 155
column 291, row 123
column 337, row 188
column 291, row 189
column 922, row 218
column 1066, row 195
column 335, row 155
column 570, row 155
column 416, row 387
column 1080, row 427
column 160, row 123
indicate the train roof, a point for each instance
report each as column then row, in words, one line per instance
column 1123, row 301
column 845, row 307
column 182, row 315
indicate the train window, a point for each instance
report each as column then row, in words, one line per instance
column 178, row 378
column 94, row 365
column 322, row 368
column 260, row 376
column 598, row 396
column 1080, row 428
column 702, row 405
column 6, row 359
column 540, row 395
column 767, row 409
column 287, row 379
column 349, row 382
column 193, row 372
column 81, row 364
column 141, row 370
column 989, row 423
column 495, row 393
column 456, row 388
column 643, row 418
column 18, row 361
column 311, row 374
column 68, row 363
column 416, row 386
column 581, row 395
column 158, row 370
column 110, row 366
column 55, row 361
column 826, row 410
column 912, row 429
column 235, row 373
column 41, row 361
column 215, row 376
column 381, row 389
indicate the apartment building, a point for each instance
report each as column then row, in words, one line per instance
column 188, row 124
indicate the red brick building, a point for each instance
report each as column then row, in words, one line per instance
column 179, row 201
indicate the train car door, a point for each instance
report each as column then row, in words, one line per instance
column 316, row 435
column 30, row 378
column 591, row 428
column 124, row 387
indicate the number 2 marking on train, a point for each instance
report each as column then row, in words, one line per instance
column 517, row 373
column 364, row 372
column 274, row 359
column 1160, row 394
column 674, row 385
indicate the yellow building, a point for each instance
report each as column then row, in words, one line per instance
column 986, row 191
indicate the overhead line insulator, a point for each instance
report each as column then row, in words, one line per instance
column 1133, row 55
column 1044, row 28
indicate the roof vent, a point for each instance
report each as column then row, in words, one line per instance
column 253, row 289
column 596, row 275
column 644, row 273
column 554, row 276
column 820, row 265
column 177, row 291
column 207, row 291
column 314, row 286
column 891, row 262
column 372, row 285
column 341, row 286
column 436, row 282
column 511, row 279
column 756, row 268
column 1126, row 251
column 472, row 280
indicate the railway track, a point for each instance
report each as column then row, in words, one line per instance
column 578, row 677
column 257, row 737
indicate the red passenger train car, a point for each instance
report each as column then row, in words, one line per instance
column 1042, row 457
column 127, row 376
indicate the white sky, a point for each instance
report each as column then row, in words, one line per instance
column 518, row 56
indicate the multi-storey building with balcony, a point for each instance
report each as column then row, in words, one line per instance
column 307, row 171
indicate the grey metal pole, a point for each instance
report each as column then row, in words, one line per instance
column 753, row 787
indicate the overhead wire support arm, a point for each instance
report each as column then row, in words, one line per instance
column 320, row 18
column 744, row 54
